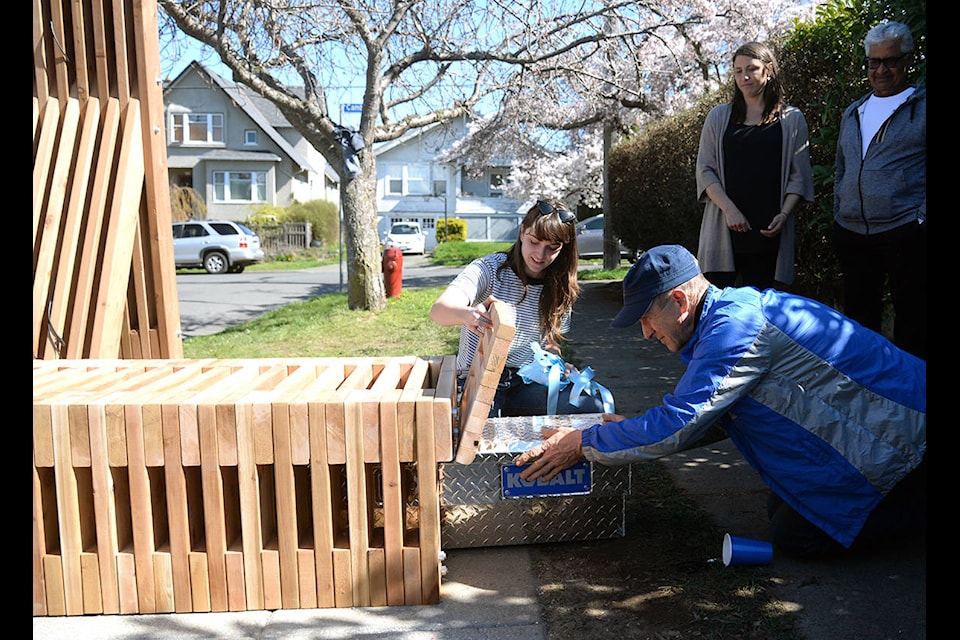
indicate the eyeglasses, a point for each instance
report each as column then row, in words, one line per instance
column 893, row 62
column 546, row 209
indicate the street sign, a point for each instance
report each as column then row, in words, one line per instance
column 352, row 108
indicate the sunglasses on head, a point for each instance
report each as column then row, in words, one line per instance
column 546, row 209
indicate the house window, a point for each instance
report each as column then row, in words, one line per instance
column 240, row 186
column 407, row 179
column 496, row 182
column 196, row 128
column 418, row 179
column 394, row 185
column 250, row 136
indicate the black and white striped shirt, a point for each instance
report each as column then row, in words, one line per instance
column 479, row 280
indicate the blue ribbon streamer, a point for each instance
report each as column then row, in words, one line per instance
column 584, row 384
column 548, row 369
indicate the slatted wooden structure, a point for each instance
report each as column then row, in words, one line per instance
column 104, row 283
column 213, row 485
column 230, row 485
column 481, row 384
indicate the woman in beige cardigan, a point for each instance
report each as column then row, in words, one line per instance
column 753, row 169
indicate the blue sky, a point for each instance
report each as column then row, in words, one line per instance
column 171, row 67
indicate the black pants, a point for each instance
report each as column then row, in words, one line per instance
column 754, row 270
column 902, row 513
column 899, row 257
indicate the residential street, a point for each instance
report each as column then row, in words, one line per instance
column 210, row 303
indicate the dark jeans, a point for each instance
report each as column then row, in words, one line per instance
column 755, row 270
column 898, row 256
column 902, row 513
column 515, row 397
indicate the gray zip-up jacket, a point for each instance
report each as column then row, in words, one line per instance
column 888, row 187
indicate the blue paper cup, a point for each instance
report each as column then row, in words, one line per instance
column 745, row 551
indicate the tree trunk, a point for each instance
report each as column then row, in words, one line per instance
column 611, row 246
column 364, row 261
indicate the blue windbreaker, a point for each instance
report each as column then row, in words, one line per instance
column 830, row 414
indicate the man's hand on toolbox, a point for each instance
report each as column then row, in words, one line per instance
column 560, row 450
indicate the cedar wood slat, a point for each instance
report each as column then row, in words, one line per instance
column 394, row 509
column 122, row 49
column 41, row 90
column 88, row 272
column 46, row 144
column 157, row 218
column 357, row 498
column 118, row 251
column 62, row 285
column 81, row 81
column 56, row 30
column 481, row 384
column 49, row 224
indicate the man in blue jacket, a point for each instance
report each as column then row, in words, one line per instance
column 830, row 414
column 880, row 193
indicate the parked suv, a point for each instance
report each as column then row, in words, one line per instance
column 219, row 246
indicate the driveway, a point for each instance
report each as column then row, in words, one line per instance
column 210, row 303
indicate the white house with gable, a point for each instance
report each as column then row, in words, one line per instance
column 413, row 186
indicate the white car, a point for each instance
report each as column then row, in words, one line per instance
column 406, row 236
column 590, row 240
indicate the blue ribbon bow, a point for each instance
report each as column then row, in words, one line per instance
column 548, row 369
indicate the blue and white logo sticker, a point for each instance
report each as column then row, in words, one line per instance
column 575, row 481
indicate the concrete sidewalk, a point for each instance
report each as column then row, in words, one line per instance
column 487, row 594
column 880, row 595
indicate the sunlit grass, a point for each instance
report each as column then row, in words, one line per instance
column 324, row 326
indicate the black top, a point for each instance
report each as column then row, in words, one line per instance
column 751, row 167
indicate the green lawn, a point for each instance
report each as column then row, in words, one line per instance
column 325, row 327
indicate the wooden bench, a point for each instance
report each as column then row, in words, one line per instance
column 231, row 485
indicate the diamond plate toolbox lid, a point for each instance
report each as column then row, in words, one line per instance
column 518, row 434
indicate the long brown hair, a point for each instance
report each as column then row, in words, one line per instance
column 773, row 98
column 560, row 286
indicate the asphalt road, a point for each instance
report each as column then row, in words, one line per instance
column 210, row 303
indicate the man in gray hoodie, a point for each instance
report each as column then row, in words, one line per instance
column 880, row 193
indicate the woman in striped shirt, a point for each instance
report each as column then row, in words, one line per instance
column 537, row 276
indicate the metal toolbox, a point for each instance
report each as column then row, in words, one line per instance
column 484, row 503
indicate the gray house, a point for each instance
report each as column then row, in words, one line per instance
column 236, row 148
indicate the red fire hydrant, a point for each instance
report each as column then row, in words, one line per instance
column 393, row 272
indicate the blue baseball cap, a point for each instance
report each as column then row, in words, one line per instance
column 656, row 271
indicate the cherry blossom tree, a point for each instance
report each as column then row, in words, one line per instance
column 531, row 66
column 559, row 117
